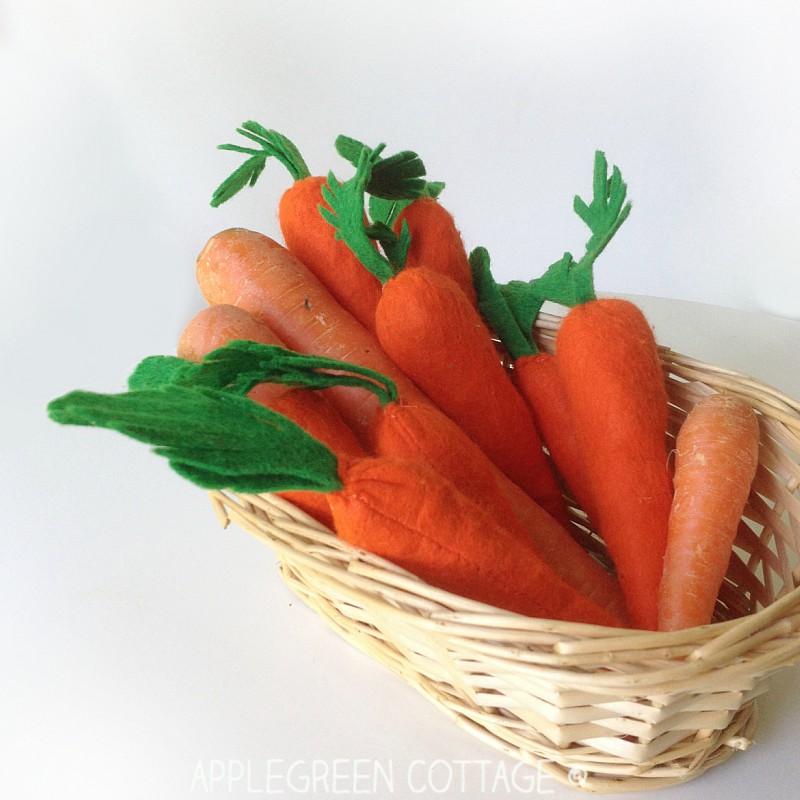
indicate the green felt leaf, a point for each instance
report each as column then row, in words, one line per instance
column 346, row 215
column 155, row 371
column 215, row 439
column 239, row 365
column 568, row 282
column 271, row 144
column 495, row 308
column 396, row 177
column 606, row 212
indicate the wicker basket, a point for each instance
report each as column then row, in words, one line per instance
column 602, row 709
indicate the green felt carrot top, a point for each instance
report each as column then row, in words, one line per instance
column 394, row 180
column 198, row 417
column 511, row 309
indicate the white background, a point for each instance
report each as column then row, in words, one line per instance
column 139, row 639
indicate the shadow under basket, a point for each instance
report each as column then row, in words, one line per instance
column 601, row 709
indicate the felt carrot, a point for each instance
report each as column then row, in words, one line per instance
column 216, row 326
column 259, row 275
column 428, row 327
column 305, row 234
column 608, row 360
column 436, row 242
column 716, row 457
column 424, row 433
column 511, row 311
column 403, row 511
column 406, row 512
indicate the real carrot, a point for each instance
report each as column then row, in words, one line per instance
column 608, row 359
column 256, row 273
column 716, row 457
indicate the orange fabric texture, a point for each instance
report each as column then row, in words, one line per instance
column 436, row 243
column 541, row 385
column 313, row 241
column 406, row 512
column 420, row 432
column 612, row 375
column 430, row 330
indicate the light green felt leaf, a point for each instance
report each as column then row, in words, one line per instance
column 216, row 439
column 346, row 215
column 495, row 308
column 239, row 365
column 271, row 144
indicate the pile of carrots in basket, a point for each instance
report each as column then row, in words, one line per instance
column 356, row 369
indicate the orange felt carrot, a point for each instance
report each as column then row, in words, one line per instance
column 401, row 510
column 511, row 311
column 262, row 277
column 214, row 327
column 541, row 384
column 432, row 332
column 315, row 415
column 305, row 234
column 308, row 237
column 716, row 457
column 408, row 513
column 436, row 242
column 615, row 386
column 423, row 432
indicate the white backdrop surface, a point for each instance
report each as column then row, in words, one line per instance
column 139, row 640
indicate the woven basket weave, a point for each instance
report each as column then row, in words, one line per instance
column 602, row 709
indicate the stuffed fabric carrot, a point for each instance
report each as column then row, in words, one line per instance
column 609, row 363
column 716, row 457
column 511, row 310
column 431, row 331
column 436, row 242
column 409, row 432
column 199, row 418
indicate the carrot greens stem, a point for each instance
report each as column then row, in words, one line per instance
column 198, row 417
column 270, row 144
column 566, row 282
column 346, row 214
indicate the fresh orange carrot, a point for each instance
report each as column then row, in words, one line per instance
column 257, row 274
column 214, row 327
column 423, row 432
column 436, row 242
column 431, row 331
column 608, row 359
column 716, row 457
column 408, row 513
